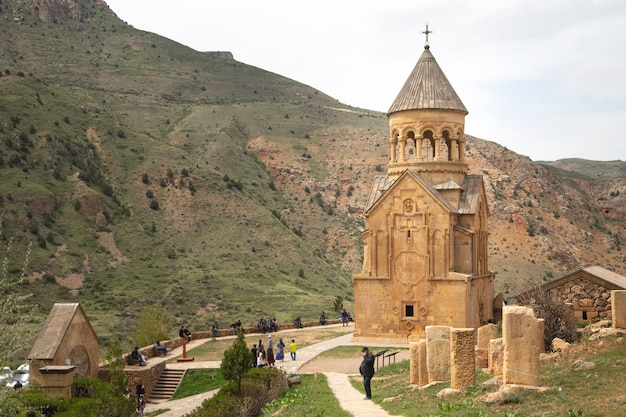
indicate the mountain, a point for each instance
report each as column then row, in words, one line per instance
column 147, row 173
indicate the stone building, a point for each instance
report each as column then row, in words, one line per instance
column 425, row 243
column 66, row 347
column 588, row 290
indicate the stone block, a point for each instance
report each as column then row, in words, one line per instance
column 618, row 309
column 523, row 342
column 438, row 353
column 462, row 366
column 423, row 368
column 496, row 356
column 485, row 334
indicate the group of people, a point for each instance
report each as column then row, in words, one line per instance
column 263, row 356
column 265, row 325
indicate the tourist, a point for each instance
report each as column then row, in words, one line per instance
column 270, row 352
column 292, row 350
column 323, row 320
column 344, row 317
column 254, row 352
column 158, row 346
column 367, row 370
column 141, row 405
column 215, row 329
column 298, row 322
column 273, row 325
column 184, row 333
column 141, row 360
column 260, row 346
column 280, row 355
column 262, row 360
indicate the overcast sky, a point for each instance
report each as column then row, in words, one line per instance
column 545, row 78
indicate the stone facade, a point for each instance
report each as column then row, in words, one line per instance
column 425, row 243
column 67, row 346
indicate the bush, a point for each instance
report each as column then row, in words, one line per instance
column 259, row 387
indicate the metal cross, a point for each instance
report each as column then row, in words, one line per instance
column 426, row 32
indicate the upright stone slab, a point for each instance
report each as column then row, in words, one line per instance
column 438, row 353
column 485, row 334
column 414, row 367
column 523, row 342
column 496, row 356
column 462, row 369
column 618, row 309
column 423, row 361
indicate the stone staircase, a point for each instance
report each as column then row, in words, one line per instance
column 166, row 385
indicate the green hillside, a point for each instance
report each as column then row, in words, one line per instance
column 124, row 159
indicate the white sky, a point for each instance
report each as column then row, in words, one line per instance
column 545, row 78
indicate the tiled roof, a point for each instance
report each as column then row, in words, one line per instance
column 427, row 88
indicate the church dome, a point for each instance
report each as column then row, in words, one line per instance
column 427, row 88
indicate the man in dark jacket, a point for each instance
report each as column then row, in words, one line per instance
column 367, row 370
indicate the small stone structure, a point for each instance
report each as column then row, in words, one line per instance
column 523, row 342
column 588, row 290
column 618, row 301
column 66, row 347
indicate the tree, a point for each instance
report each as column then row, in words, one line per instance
column 154, row 323
column 338, row 304
column 236, row 361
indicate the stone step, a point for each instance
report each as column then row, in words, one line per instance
column 166, row 385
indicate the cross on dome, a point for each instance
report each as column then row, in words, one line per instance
column 427, row 32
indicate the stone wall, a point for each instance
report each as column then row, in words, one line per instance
column 591, row 301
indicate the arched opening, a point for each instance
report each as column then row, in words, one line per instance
column 428, row 145
column 411, row 145
column 446, row 137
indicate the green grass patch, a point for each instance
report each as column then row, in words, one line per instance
column 197, row 381
column 598, row 392
column 312, row 397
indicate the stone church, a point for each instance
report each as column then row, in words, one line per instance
column 425, row 239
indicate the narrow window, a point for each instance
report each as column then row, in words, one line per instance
column 408, row 311
column 584, row 315
column 408, row 233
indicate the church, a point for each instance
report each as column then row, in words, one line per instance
column 425, row 238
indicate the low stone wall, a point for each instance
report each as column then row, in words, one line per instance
column 146, row 375
column 149, row 374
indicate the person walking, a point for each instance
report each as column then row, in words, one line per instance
column 270, row 352
column 292, row 349
column 367, row 370
column 280, row 355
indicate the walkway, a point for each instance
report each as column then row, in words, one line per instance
column 349, row 397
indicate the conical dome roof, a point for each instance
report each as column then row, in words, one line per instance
column 427, row 88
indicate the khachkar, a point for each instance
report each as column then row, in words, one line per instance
column 425, row 243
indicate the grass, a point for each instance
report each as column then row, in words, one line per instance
column 197, row 381
column 311, row 398
column 596, row 393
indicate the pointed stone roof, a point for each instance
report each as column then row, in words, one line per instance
column 427, row 88
column 55, row 330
